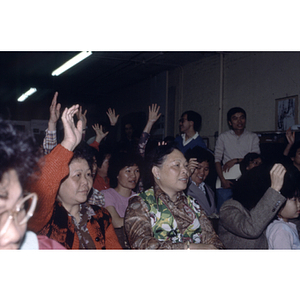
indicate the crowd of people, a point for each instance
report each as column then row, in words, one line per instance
column 141, row 193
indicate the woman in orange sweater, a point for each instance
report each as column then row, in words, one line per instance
column 63, row 213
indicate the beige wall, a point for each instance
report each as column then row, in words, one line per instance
column 252, row 80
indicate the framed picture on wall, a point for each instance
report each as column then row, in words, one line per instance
column 286, row 113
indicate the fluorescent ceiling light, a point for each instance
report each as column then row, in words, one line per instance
column 27, row 94
column 72, row 62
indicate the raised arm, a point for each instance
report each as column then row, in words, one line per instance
column 54, row 167
column 72, row 132
column 50, row 140
column 290, row 136
column 113, row 119
column 82, row 116
column 240, row 222
column 100, row 135
column 153, row 116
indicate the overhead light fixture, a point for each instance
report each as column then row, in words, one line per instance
column 72, row 62
column 24, row 96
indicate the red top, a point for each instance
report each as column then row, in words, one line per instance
column 51, row 218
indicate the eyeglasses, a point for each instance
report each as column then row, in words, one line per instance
column 20, row 213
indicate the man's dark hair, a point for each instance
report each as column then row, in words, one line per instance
column 233, row 111
column 195, row 117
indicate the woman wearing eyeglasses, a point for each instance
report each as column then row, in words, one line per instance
column 64, row 184
column 18, row 159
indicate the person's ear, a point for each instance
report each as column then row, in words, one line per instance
column 229, row 122
column 156, row 172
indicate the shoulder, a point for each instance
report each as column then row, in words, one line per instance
column 108, row 192
column 147, row 197
column 250, row 134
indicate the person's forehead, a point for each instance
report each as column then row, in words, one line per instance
column 237, row 115
column 175, row 155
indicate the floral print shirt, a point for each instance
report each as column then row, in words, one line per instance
column 153, row 221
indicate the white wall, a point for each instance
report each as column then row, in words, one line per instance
column 252, row 80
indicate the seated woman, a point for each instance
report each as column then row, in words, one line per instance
column 124, row 174
column 63, row 213
column 256, row 200
column 163, row 217
column 18, row 160
column 200, row 162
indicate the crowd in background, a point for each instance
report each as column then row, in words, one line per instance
column 138, row 192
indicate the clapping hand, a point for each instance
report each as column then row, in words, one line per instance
column 72, row 133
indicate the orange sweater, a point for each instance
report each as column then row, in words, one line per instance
column 52, row 219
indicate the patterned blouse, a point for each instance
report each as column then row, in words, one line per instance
column 153, row 221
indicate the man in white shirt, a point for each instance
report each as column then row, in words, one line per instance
column 230, row 149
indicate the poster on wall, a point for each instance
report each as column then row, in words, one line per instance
column 286, row 112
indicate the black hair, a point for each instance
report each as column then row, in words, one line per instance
column 85, row 151
column 199, row 153
column 156, row 157
column 248, row 158
column 118, row 161
column 195, row 117
column 18, row 151
column 101, row 154
column 233, row 111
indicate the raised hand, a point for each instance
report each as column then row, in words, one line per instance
column 82, row 116
column 113, row 119
column 100, row 135
column 54, row 113
column 193, row 164
column 152, row 117
column 153, row 113
column 290, row 136
column 72, row 133
column 277, row 176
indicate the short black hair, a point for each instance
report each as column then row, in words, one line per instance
column 195, row 117
column 118, row 161
column 199, row 153
column 84, row 151
column 233, row 111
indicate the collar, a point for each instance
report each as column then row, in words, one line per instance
column 187, row 141
column 160, row 194
column 237, row 136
